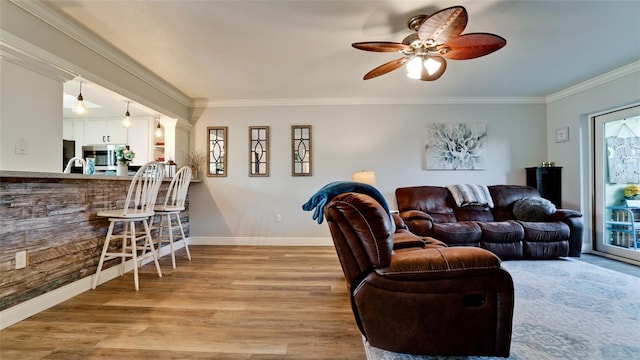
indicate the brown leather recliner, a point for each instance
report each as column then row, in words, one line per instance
column 421, row 297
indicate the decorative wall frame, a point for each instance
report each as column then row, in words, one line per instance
column 217, row 153
column 301, row 163
column 259, row 151
column 562, row 134
column 455, row 146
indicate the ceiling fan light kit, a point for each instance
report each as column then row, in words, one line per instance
column 435, row 38
column 427, row 68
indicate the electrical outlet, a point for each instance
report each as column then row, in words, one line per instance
column 278, row 218
column 21, row 259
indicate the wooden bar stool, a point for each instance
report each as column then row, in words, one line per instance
column 173, row 204
column 138, row 207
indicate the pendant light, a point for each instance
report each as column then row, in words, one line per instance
column 159, row 131
column 126, row 121
column 79, row 108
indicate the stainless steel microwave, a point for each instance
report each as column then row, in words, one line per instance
column 105, row 156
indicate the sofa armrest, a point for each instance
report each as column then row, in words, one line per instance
column 563, row 214
column 415, row 215
column 418, row 222
column 576, row 228
column 439, row 263
column 400, row 225
column 405, row 239
column 574, row 220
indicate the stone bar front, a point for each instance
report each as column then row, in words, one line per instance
column 53, row 218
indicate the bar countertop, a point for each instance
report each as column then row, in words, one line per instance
column 52, row 175
column 52, row 217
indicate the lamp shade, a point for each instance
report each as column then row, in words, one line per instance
column 364, row 176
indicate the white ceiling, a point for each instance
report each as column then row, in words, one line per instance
column 261, row 51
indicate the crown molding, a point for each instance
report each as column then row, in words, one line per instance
column 85, row 37
column 367, row 101
column 598, row 80
column 21, row 53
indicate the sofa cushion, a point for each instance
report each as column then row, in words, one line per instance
column 503, row 237
column 473, row 213
column 433, row 200
column 545, row 240
column 533, row 209
column 545, row 231
column 501, row 231
column 545, row 250
column 458, row 233
column 506, row 251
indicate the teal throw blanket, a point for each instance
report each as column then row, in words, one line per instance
column 327, row 192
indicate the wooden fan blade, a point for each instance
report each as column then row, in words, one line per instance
column 444, row 25
column 380, row 46
column 473, row 45
column 385, row 68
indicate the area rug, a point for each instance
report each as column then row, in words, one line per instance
column 564, row 309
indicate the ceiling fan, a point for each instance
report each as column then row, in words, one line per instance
column 436, row 37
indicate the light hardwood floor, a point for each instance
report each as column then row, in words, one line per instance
column 229, row 302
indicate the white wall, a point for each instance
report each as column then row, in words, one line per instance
column 388, row 139
column 182, row 144
column 29, row 112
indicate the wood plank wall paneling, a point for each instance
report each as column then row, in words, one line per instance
column 55, row 221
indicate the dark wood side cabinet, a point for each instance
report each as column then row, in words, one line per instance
column 548, row 181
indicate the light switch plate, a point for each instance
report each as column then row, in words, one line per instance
column 21, row 146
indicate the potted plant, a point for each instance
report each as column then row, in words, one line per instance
column 195, row 159
column 632, row 195
column 124, row 156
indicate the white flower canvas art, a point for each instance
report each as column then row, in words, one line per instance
column 455, row 146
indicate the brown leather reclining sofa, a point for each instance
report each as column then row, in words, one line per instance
column 432, row 211
column 414, row 295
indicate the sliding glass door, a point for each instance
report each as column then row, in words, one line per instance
column 616, row 161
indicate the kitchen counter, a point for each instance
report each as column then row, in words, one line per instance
column 51, row 175
column 52, row 216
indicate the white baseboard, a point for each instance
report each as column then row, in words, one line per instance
column 259, row 241
column 33, row 306
column 615, row 257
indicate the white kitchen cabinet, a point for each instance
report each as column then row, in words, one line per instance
column 140, row 136
column 74, row 130
column 104, row 132
column 139, row 141
column 67, row 129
